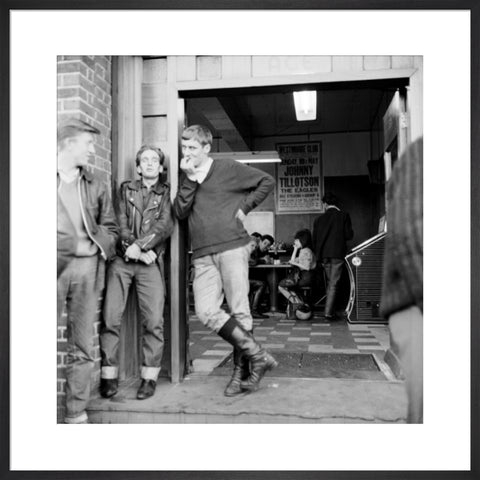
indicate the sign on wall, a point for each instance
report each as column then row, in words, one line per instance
column 299, row 178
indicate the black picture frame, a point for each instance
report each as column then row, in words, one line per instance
column 5, row 267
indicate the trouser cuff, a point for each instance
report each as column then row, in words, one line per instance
column 109, row 373
column 79, row 419
column 150, row 373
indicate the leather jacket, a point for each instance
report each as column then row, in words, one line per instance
column 98, row 218
column 153, row 224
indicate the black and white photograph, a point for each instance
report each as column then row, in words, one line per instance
column 246, row 231
column 271, row 245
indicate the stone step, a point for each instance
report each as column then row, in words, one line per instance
column 199, row 399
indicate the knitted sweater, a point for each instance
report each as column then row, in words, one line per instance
column 212, row 205
column 403, row 263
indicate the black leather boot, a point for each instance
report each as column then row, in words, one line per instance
column 260, row 360
column 240, row 372
column 147, row 389
column 108, row 387
column 260, row 363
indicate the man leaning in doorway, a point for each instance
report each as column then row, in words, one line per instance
column 331, row 231
column 86, row 235
column 145, row 216
column 216, row 196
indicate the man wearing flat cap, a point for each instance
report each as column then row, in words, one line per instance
column 86, row 234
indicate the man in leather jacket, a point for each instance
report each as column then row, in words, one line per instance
column 86, row 236
column 145, row 216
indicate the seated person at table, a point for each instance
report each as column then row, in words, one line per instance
column 262, row 252
column 258, row 285
column 303, row 261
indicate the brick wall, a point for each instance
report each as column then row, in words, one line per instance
column 84, row 91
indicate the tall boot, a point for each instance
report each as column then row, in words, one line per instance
column 240, row 372
column 260, row 360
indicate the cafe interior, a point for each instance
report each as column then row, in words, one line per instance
column 312, row 139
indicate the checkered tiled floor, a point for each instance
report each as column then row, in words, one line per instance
column 208, row 350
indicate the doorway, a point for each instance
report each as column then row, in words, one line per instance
column 350, row 131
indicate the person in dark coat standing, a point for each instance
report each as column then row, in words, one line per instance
column 331, row 231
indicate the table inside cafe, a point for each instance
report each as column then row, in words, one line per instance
column 274, row 273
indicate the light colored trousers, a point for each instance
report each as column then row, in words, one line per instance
column 218, row 276
column 77, row 290
column 406, row 328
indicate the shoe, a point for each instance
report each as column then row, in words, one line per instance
column 260, row 360
column 260, row 363
column 257, row 314
column 241, row 372
column 108, row 387
column 147, row 389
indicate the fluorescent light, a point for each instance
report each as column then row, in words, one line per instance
column 270, row 156
column 305, row 105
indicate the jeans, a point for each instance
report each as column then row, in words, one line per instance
column 151, row 301
column 333, row 270
column 221, row 275
column 77, row 285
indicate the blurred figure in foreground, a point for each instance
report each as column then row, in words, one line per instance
column 86, row 235
column 402, row 292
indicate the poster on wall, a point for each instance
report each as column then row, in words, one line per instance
column 299, row 178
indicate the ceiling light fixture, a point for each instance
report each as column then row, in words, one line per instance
column 270, row 156
column 305, row 105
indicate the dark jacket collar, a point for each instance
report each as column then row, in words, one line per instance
column 159, row 188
